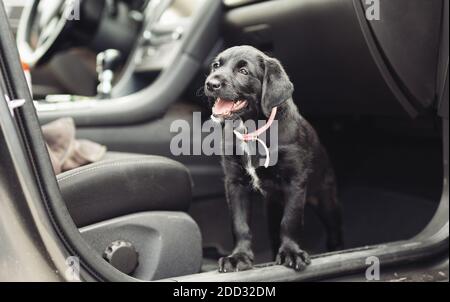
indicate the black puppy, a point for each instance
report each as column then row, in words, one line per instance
column 245, row 84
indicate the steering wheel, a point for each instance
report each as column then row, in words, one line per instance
column 47, row 26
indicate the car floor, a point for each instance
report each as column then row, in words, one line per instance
column 390, row 181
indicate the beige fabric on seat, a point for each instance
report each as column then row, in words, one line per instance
column 66, row 152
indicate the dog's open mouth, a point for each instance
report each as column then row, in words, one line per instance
column 225, row 108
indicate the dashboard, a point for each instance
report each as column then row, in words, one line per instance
column 160, row 42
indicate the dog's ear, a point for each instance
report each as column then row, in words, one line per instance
column 276, row 87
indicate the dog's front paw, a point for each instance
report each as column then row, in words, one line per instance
column 293, row 257
column 235, row 263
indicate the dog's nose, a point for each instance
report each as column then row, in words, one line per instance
column 213, row 84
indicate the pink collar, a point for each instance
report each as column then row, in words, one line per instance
column 254, row 135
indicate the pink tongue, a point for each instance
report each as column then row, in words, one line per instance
column 222, row 107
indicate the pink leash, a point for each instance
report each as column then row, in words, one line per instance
column 253, row 136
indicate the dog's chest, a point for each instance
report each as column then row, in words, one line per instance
column 250, row 165
column 252, row 162
column 255, row 180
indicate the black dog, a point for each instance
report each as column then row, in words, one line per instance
column 245, row 84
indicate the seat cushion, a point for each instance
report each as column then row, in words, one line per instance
column 122, row 184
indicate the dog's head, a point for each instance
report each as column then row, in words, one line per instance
column 244, row 83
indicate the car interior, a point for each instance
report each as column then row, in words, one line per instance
column 126, row 70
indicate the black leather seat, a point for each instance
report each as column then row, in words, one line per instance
column 123, row 184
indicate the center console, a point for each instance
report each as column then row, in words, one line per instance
column 167, row 26
column 175, row 39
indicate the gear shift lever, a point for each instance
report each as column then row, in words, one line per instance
column 107, row 61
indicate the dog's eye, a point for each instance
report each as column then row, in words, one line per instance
column 215, row 65
column 243, row 71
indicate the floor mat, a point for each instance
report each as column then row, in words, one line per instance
column 373, row 216
column 370, row 216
